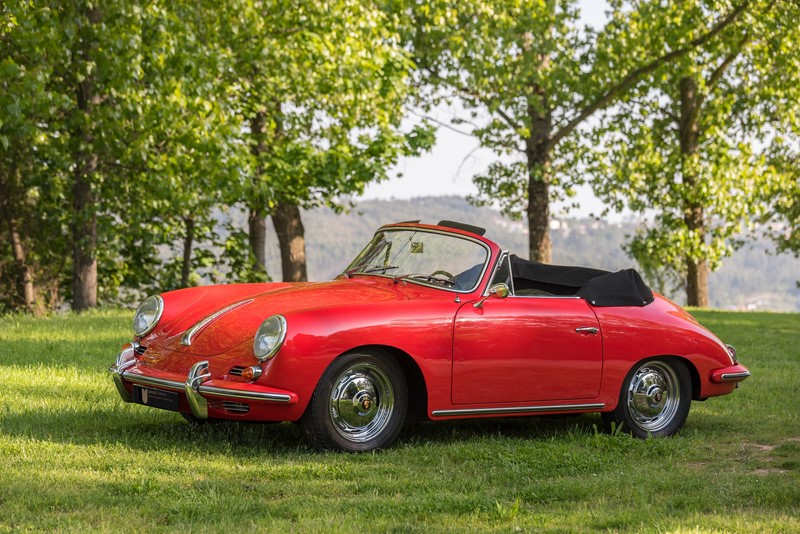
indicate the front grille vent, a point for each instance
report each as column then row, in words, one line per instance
column 236, row 371
column 236, row 407
column 139, row 350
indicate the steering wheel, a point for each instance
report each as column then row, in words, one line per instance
column 449, row 276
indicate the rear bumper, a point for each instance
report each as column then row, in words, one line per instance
column 197, row 386
column 734, row 373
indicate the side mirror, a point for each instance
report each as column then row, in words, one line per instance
column 498, row 291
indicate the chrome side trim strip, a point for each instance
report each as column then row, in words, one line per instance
column 244, row 395
column 186, row 338
column 519, row 409
column 734, row 377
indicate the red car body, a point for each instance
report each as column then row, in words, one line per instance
column 514, row 356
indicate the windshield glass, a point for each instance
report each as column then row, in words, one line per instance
column 440, row 260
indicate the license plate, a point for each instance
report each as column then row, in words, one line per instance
column 156, row 398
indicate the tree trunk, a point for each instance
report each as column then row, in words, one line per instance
column 291, row 237
column 257, row 236
column 257, row 218
column 188, row 240
column 538, row 154
column 24, row 276
column 84, row 226
column 694, row 217
column 84, row 236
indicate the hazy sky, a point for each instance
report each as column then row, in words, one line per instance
column 449, row 167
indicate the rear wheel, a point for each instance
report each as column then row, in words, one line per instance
column 359, row 405
column 654, row 400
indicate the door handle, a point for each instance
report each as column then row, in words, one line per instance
column 587, row 330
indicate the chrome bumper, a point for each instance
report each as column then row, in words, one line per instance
column 734, row 373
column 195, row 386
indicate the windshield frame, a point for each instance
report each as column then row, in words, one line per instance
column 422, row 282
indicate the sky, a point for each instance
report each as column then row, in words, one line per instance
column 455, row 158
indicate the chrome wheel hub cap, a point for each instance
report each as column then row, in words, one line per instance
column 653, row 396
column 361, row 402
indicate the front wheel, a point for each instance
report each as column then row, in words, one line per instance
column 654, row 400
column 359, row 404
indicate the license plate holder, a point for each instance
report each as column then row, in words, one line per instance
column 155, row 398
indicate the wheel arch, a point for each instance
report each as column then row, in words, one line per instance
column 693, row 373
column 415, row 380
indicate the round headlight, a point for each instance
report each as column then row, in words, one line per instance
column 147, row 315
column 269, row 337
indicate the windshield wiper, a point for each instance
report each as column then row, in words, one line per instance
column 426, row 277
column 367, row 270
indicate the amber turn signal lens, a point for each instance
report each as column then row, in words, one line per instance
column 251, row 373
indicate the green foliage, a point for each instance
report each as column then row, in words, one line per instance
column 735, row 467
column 667, row 162
column 150, row 103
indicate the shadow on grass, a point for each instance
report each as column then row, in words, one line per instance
column 158, row 430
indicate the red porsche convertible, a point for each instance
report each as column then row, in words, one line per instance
column 432, row 321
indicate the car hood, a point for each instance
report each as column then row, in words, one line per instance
column 236, row 321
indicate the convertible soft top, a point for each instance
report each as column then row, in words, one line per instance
column 598, row 287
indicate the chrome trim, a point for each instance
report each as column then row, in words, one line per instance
column 587, row 330
column 732, row 353
column 197, row 375
column 159, row 312
column 734, row 377
column 186, row 338
column 195, row 390
column 430, row 231
column 151, row 381
column 125, row 359
column 213, row 391
column 257, row 372
column 274, row 350
column 502, row 256
column 520, row 409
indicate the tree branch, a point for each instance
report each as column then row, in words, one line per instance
column 440, row 123
column 474, row 94
column 634, row 76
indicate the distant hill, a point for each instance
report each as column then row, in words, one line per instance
column 751, row 279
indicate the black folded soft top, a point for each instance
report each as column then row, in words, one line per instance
column 598, row 287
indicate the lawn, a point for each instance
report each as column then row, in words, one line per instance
column 74, row 457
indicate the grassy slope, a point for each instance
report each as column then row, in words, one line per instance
column 74, row 457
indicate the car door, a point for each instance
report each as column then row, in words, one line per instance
column 526, row 349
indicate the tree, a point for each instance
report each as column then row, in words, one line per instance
column 683, row 148
column 531, row 78
column 30, row 204
column 321, row 89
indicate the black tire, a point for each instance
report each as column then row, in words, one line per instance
column 359, row 405
column 654, row 400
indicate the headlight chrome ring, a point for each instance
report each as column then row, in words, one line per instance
column 269, row 337
column 147, row 315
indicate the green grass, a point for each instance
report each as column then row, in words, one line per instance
column 74, row 457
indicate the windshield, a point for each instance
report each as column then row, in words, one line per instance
column 440, row 260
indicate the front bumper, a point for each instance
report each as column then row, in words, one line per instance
column 198, row 386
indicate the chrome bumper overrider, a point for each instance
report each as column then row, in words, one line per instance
column 195, row 385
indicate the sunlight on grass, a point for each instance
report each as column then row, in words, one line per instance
column 73, row 456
